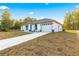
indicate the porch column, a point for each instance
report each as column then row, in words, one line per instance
column 33, row 27
column 38, row 27
column 28, row 27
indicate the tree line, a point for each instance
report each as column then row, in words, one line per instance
column 7, row 23
column 71, row 20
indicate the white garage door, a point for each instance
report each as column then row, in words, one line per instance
column 46, row 28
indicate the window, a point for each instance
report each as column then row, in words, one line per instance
column 26, row 27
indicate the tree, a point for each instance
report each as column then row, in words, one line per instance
column 6, row 22
column 29, row 19
column 67, row 21
column 17, row 24
column 76, row 18
column 71, row 20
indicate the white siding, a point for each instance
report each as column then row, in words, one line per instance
column 60, row 28
column 57, row 27
column 23, row 28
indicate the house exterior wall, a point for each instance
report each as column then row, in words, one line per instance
column 43, row 27
column 57, row 27
column 60, row 28
column 23, row 28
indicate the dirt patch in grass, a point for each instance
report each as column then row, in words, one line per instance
column 62, row 43
column 4, row 35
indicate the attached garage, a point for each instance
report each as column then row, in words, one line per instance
column 46, row 28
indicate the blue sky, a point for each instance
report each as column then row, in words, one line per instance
column 55, row 11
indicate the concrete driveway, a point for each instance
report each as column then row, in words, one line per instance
column 6, row 43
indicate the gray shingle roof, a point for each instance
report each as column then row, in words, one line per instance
column 42, row 21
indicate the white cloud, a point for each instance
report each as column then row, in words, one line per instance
column 3, row 7
column 31, row 13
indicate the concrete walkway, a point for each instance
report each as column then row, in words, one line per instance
column 6, row 43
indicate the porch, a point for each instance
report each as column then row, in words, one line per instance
column 32, row 28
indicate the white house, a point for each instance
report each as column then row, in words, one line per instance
column 42, row 25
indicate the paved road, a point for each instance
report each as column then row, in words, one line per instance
column 6, row 43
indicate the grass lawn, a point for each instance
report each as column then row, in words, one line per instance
column 4, row 35
column 61, row 43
